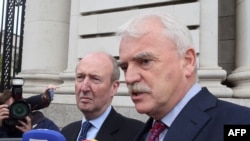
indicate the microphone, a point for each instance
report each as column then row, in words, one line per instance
column 42, row 135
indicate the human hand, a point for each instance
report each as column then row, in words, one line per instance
column 4, row 113
column 47, row 95
column 25, row 126
column 51, row 86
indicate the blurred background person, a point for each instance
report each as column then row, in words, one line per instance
column 35, row 119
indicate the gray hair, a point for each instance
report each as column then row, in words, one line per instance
column 116, row 71
column 173, row 29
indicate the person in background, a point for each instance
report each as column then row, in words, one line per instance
column 35, row 120
column 158, row 58
column 96, row 83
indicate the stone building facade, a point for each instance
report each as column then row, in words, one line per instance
column 59, row 32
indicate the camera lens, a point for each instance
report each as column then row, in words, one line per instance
column 19, row 109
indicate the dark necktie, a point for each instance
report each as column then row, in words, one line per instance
column 156, row 130
column 85, row 127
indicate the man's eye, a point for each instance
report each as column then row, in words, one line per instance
column 144, row 62
column 96, row 80
column 79, row 78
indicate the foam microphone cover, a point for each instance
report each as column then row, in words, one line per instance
column 43, row 135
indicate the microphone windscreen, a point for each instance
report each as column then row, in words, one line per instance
column 43, row 135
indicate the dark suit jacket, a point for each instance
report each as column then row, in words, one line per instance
column 115, row 128
column 202, row 119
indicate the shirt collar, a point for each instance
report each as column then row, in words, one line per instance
column 170, row 117
column 97, row 122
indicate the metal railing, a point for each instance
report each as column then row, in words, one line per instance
column 11, row 36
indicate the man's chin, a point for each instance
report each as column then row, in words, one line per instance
column 141, row 109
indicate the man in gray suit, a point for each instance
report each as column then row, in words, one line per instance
column 96, row 83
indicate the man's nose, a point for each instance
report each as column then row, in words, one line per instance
column 85, row 85
column 132, row 74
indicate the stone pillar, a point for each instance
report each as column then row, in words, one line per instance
column 210, row 74
column 45, row 43
column 68, row 76
column 240, row 77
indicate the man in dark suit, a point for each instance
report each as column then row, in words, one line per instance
column 158, row 58
column 96, row 83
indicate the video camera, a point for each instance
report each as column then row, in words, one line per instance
column 21, row 107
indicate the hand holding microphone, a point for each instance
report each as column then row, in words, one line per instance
column 43, row 100
column 49, row 92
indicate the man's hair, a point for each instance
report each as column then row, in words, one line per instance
column 116, row 71
column 173, row 29
column 6, row 95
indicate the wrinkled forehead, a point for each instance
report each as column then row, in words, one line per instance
column 95, row 62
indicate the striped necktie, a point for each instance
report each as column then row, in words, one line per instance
column 156, row 130
column 85, row 127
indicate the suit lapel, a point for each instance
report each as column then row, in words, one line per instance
column 109, row 126
column 192, row 118
column 76, row 130
column 143, row 133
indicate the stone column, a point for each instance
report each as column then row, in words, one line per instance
column 240, row 77
column 45, row 43
column 68, row 76
column 210, row 74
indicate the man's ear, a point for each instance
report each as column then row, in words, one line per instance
column 190, row 61
column 115, row 87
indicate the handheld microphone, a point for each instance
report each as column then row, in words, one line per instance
column 43, row 135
